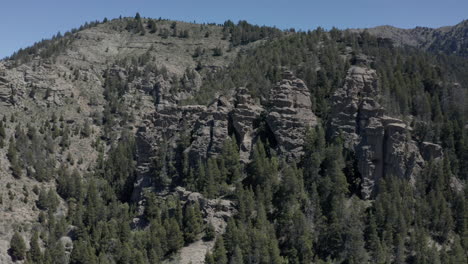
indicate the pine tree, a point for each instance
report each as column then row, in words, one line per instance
column 373, row 241
column 209, row 232
column 231, row 236
column 212, row 177
column 354, row 250
column 52, row 200
column 152, row 26
column 13, row 158
column 82, row 253
column 2, row 134
column 219, row 251
column 17, row 249
column 230, row 156
column 137, row 16
column 86, row 131
column 236, row 257
column 457, row 254
column 192, row 222
column 175, row 238
column 209, row 258
column 42, row 202
column 400, row 250
column 34, row 254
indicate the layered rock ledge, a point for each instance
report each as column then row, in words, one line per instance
column 382, row 144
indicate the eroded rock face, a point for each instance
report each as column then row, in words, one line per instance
column 382, row 144
column 290, row 115
column 216, row 212
column 360, row 87
column 209, row 127
column 5, row 92
column 211, row 130
column 431, row 151
column 244, row 117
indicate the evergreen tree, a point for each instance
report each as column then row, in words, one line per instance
column 219, row 252
column 13, row 158
column 17, row 249
column 34, row 254
column 209, row 258
column 230, row 156
column 353, row 248
column 152, row 26
column 42, row 202
column 236, row 257
column 174, row 238
column 209, row 232
column 192, row 222
column 373, row 241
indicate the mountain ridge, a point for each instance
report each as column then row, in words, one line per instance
column 453, row 38
column 183, row 135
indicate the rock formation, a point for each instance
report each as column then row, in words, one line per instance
column 382, row 144
column 244, row 117
column 290, row 115
column 216, row 212
column 431, row 151
column 211, row 130
column 5, row 92
column 208, row 127
column 58, row 93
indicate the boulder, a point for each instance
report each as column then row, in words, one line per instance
column 67, row 244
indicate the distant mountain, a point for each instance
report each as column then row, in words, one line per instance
column 449, row 39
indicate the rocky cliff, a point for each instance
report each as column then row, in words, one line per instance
column 208, row 127
column 71, row 109
column 382, row 144
column 290, row 115
column 68, row 86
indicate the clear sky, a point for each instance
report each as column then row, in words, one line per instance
column 23, row 22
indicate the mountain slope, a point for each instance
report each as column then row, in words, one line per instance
column 145, row 141
column 62, row 91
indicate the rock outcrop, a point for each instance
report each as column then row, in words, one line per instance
column 245, row 117
column 208, row 127
column 211, row 130
column 431, row 151
column 290, row 115
column 5, row 92
column 216, row 212
column 382, row 144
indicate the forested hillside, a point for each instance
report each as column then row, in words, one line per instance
column 138, row 140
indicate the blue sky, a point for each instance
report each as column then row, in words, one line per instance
column 22, row 22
